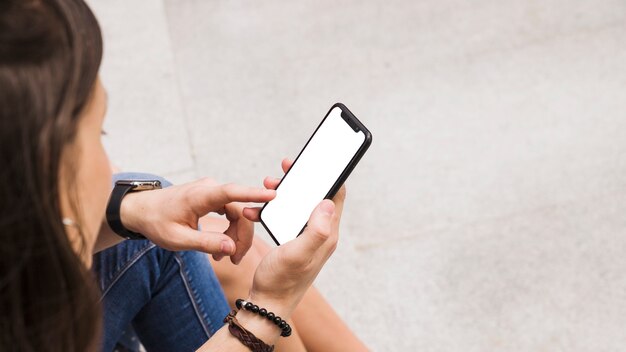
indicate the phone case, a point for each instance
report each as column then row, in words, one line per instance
column 346, row 172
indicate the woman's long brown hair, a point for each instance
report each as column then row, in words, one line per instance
column 50, row 53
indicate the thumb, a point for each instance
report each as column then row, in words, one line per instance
column 318, row 230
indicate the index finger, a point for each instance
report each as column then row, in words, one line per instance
column 232, row 192
column 205, row 198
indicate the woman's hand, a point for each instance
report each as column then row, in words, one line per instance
column 169, row 217
column 286, row 272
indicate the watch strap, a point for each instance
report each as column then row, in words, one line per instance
column 113, row 216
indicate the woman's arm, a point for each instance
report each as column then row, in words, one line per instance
column 169, row 217
column 316, row 325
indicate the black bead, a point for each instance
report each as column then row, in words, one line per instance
column 277, row 320
column 282, row 324
column 238, row 303
column 255, row 308
column 285, row 333
column 262, row 312
column 270, row 316
column 248, row 306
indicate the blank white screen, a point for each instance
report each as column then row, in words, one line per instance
column 311, row 177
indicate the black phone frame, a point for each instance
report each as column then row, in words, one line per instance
column 347, row 170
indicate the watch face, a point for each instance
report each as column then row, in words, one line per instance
column 140, row 185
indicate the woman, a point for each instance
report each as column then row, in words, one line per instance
column 54, row 187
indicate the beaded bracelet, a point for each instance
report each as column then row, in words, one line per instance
column 249, row 306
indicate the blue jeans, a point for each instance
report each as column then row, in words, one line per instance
column 170, row 301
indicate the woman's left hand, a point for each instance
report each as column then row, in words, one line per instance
column 169, row 217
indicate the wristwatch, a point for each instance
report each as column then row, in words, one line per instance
column 115, row 201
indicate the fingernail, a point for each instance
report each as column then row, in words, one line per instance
column 328, row 207
column 226, row 247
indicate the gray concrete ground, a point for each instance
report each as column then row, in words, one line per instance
column 490, row 212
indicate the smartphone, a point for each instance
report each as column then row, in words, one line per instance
column 318, row 172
